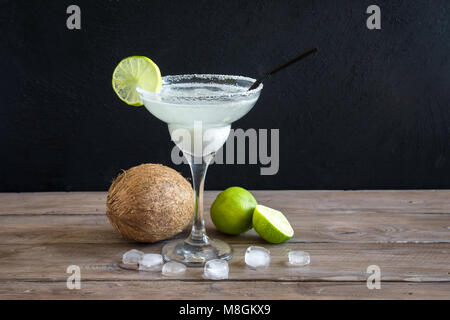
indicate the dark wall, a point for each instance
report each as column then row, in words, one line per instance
column 370, row 110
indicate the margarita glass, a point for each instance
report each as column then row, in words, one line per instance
column 199, row 110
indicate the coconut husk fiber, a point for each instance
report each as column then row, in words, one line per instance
column 149, row 203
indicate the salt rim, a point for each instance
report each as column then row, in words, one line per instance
column 208, row 77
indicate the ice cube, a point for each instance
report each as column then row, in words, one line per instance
column 257, row 257
column 216, row 269
column 132, row 256
column 151, row 262
column 299, row 258
column 173, row 268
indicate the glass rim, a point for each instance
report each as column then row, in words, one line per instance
column 214, row 78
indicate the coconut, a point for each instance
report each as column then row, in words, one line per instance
column 149, row 203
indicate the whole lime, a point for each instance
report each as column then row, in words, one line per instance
column 232, row 211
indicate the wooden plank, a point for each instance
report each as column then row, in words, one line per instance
column 329, row 262
column 405, row 233
column 313, row 227
column 389, row 201
column 370, row 201
column 236, row 290
column 53, row 203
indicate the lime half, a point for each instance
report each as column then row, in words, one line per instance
column 271, row 225
column 135, row 71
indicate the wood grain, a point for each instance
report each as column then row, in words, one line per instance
column 329, row 262
column 405, row 233
column 361, row 216
column 209, row 290
column 312, row 227
column 390, row 201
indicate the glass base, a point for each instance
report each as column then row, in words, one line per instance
column 196, row 254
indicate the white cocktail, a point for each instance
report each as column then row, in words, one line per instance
column 199, row 110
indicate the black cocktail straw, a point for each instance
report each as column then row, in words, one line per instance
column 282, row 66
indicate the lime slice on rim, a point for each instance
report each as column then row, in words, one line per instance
column 271, row 225
column 135, row 71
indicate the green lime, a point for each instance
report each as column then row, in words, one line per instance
column 135, row 71
column 271, row 225
column 232, row 210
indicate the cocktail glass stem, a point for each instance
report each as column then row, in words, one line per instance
column 198, row 247
column 199, row 166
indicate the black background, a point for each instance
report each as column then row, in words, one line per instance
column 370, row 110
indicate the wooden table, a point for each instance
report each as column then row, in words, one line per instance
column 405, row 233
